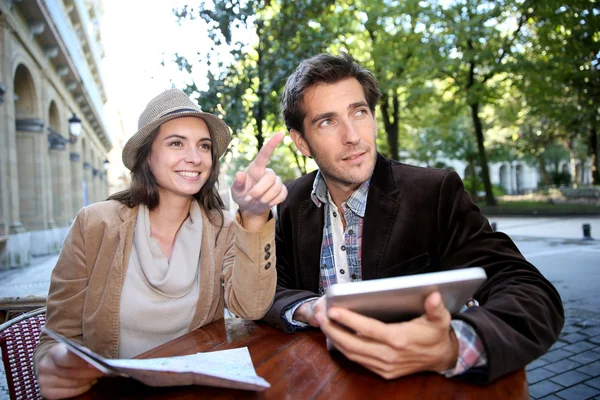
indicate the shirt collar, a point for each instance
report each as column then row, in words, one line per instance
column 357, row 201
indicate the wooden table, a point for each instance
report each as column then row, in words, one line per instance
column 298, row 367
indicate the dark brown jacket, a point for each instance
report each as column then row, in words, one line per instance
column 421, row 220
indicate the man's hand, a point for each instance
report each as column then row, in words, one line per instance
column 426, row 343
column 259, row 188
column 307, row 311
column 62, row 374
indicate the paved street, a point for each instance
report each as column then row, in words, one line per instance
column 571, row 369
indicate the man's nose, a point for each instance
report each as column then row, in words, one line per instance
column 351, row 133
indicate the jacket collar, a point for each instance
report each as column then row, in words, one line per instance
column 126, row 213
column 380, row 216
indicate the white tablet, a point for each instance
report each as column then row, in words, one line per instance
column 402, row 298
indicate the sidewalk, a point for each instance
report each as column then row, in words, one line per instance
column 571, row 368
column 547, row 227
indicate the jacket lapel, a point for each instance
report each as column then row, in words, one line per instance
column 380, row 215
column 207, row 265
column 119, row 266
column 310, row 236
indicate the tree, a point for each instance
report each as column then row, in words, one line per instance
column 400, row 44
column 266, row 41
column 480, row 37
column 564, row 65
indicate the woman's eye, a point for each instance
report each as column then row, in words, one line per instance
column 176, row 143
column 205, row 146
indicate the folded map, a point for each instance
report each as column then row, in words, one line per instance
column 225, row 368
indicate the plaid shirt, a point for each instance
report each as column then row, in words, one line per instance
column 471, row 353
column 354, row 212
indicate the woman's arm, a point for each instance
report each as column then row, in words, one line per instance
column 60, row 373
column 249, row 274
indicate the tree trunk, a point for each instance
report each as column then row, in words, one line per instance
column 485, row 172
column 544, row 177
column 595, row 158
column 391, row 123
column 259, row 113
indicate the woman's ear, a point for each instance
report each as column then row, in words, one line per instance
column 300, row 142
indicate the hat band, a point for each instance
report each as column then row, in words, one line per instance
column 178, row 111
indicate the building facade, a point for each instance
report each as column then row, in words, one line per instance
column 520, row 177
column 49, row 78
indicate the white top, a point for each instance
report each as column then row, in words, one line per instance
column 159, row 296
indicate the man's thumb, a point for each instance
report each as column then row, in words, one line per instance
column 434, row 307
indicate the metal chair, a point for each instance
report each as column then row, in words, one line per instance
column 18, row 338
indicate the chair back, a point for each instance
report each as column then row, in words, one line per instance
column 18, row 338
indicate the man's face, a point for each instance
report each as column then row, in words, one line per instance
column 339, row 133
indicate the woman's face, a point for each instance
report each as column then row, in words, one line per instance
column 181, row 156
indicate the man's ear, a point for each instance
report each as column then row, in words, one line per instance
column 300, row 142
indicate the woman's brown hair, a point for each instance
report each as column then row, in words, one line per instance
column 144, row 188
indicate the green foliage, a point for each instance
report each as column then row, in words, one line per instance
column 262, row 52
column 499, row 190
column 474, row 80
column 560, row 178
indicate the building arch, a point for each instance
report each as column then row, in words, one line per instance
column 54, row 119
column 504, row 177
column 31, row 144
column 87, row 172
column 59, row 174
column 520, row 178
column 26, row 101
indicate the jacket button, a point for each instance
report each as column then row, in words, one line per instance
column 353, row 276
column 267, row 255
column 343, row 248
column 268, row 265
column 267, row 247
column 342, row 271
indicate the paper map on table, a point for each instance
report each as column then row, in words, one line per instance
column 226, row 368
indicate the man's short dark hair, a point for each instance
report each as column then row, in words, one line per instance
column 328, row 69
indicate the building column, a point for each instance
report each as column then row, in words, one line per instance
column 61, row 180
column 87, row 183
column 513, row 178
column 76, row 182
column 10, row 222
column 95, row 181
column 31, row 147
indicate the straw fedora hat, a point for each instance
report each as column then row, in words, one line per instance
column 166, row 106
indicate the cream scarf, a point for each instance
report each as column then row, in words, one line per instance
column 159, row 296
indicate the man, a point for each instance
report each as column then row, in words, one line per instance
column 362, row 216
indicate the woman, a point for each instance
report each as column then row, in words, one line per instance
column 159, row 260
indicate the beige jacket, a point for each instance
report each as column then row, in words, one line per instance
column 85, row 288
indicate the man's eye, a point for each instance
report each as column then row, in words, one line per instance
column 326, row 122
column 361, row 112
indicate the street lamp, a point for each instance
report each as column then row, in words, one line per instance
column 75, row 126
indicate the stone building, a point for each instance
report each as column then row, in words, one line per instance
column 51, row 165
